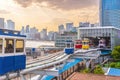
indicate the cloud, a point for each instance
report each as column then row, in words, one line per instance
column 4, row 12
column 24, row 3
column 59, row 4
column 60, row 20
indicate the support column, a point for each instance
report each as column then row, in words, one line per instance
column 3, row 47
column 22, row 77
column 7, row 76
column 14, row 46
column 42, row 52
column 40, row 77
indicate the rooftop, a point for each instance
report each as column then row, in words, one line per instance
column 100, row 27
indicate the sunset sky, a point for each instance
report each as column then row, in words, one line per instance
column 49, row 13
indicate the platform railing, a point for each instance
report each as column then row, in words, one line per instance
column 38, row 66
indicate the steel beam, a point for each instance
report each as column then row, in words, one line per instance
column 46, row 72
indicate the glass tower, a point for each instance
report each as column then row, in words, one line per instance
column 110, row 13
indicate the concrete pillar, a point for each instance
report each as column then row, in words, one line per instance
column 42, row 52
column 40, row 77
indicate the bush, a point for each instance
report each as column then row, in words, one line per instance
column 98, row 70
column 117, row 65
column 106, row 65
column 112, row 65
column 116, row 53
column 85, row 70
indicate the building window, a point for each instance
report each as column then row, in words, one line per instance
column 9, row 45
column 19, row 45
column 1, row 41
column 6, row 32
column 68, row 45
column 16, row 33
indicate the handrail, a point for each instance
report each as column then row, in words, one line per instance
column 59, row 60
column 45, row 58
column 45, row 61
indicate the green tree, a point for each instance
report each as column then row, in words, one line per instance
column 98, row 70
column 112, row 65
column 117, row 65
column 116, row 53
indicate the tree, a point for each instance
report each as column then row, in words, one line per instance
column 98, row 70
column 116, row 53
column 112, row 65
column 117, row 65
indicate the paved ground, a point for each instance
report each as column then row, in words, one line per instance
column 80, row 76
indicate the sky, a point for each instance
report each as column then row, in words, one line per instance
column 49, row 13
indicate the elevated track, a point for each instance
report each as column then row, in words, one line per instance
column 45, row 62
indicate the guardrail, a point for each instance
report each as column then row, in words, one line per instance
column 44, row 58
column 38, row 66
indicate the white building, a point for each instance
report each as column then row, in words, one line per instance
column 37, row 36
column 27, row 30
column 32, row 33
column 84, row 24
column 5, row 25
column 33, row 30
column 55, row 35
column 88, row 24
column 43, row 34
column 10, row 25
column 33, row 36
column 109, row 33
column 69, row 27
column 62, row 38
column 74, row 29
column 1, row 23
column 23, row 30
column 61, row 28
column 51, row 36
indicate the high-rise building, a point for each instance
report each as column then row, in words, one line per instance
column 37, row 36
column 10, row 25
column 84, row 24
column 5, row 25
column 110, row 13
column 74, row 29
column 51, row 35
column 27, row 29
column 69, row 26
column 61, row 28
column 43, row 34
column 33, row 30
column 1, row 23
column 23, row 30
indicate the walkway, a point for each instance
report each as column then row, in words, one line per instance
column 81, row 76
